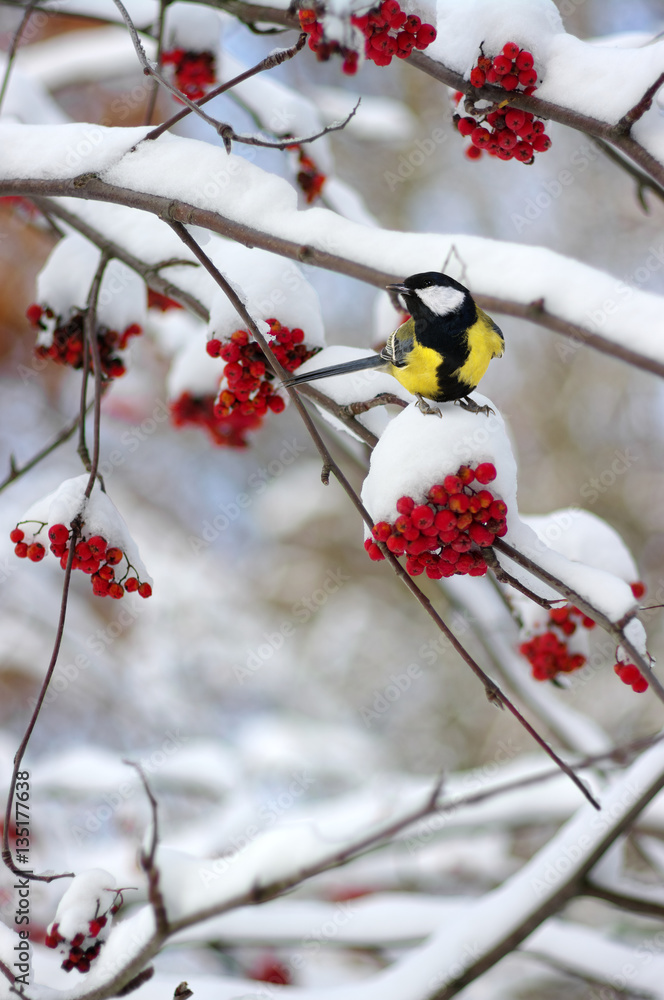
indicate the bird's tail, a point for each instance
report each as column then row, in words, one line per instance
column 344, row 369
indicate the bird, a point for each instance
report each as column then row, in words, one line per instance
column 440, row 353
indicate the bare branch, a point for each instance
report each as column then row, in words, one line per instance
column 17, row 471
column 641, row 106
column 275, row 59
column 147, row 860
column 13, row 48
column 89, row 186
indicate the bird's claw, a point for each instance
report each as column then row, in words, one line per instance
column 469, row 404
column 424, row 407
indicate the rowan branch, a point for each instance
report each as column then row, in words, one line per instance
column 89, row 186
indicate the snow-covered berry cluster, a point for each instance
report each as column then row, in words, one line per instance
column 500, row 130
column 92, row 555
column 309, row 178
column 246, row 390
column 445, row 534
column 194, row 71
column 81, row 925
column 388, row 31
column 63, row 341
column 548, row 652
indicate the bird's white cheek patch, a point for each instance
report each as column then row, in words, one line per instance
column 441, row 300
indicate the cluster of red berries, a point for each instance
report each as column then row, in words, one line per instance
column 629, row 673
column 547, row 652
column 84, row 947
column 194, row 71
column 67, row 346
column 162, row 302
column 200, row 411
column 549, row 655
column 247, row 387
column 511, row 133
column 388, row 31
column 446, row 534
column 92, row 555
column 309, row 177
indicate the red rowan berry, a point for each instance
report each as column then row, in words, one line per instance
column 511, row 50
column 113, row 556
column 524, row 60
column 477, row 77
column 145, row 590
column 502, row 65
column 485, row 473
column 21, row 550
column 36, row 552
column 17, row 535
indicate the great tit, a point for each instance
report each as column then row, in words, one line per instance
column 440, row 352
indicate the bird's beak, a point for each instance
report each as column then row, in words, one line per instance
column 398, row 289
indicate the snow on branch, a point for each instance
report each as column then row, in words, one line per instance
column 188, row 181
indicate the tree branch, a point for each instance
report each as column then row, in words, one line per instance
column 89, row 186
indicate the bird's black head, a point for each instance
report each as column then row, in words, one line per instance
column 432, row 297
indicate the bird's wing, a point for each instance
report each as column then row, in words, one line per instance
column 399, row 345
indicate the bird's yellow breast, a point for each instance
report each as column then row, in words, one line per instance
column 484, row 343
column 420, row 372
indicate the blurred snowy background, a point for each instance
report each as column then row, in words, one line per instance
column 260, row 675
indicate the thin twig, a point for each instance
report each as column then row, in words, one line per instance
column 149, row 70
column 154, row 89
column 641, row 106
column 7, row 857
column 229, row 135
column 82, row 448
column 90, row 328
column 11, row 55
column 149, row 272
column 504, row 577
column 147, row 860
column 642, row 180
column 633, row 904
column 64, row 435
column 275, row 59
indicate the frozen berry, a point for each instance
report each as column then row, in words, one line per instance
column 36, row 552
column 485, row 473
column 477, row 77
column 145, row 590
column 17, row 535
column 524, row 60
